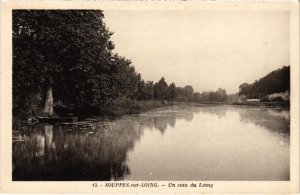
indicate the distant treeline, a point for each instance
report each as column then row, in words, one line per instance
column 275, row 82
column 65, row 59
column 162, row 91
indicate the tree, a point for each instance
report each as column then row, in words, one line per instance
column 221, row 95
column 244, row 89
column 275, row 82
column 124, row 80
column 232, row 97
column 172, row 91
column 161, row 89
column 64, row 51
column 189, row 91
column 148, row 90
column 180, row 94
column 197, row 97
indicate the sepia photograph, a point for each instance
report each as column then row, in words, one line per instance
column 152, row 95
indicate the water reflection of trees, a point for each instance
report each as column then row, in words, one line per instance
column 220, row 111
column 85, row 151
column 98, row 150
column 161, row 123
column 276, row 120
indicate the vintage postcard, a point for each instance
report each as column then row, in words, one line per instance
column 149, row 97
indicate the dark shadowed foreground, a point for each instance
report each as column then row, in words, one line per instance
column 174, row 143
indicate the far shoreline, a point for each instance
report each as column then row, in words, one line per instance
column 149, row 105
column 249, row 104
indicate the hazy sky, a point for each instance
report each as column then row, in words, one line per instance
column 206, row 49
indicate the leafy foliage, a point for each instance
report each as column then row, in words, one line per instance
column 71, row 52
column 161, row 89
column 211, row 96
column 275, row 82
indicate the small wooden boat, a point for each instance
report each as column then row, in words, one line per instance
column 52, row 120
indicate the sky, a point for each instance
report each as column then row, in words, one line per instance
column 205, row 49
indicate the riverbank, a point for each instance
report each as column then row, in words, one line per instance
column 263, row 104
column 128, row 107
column 250, row 104
column 119, row 108
column 136, row 107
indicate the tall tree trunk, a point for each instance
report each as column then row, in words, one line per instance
column 48, row 109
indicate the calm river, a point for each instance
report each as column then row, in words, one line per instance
column 174, row 143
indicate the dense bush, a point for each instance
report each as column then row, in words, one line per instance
column 275, row 82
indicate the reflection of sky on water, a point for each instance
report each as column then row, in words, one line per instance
column 175, row 143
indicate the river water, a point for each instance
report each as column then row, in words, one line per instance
column 174, row 143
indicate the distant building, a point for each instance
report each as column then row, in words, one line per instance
column 252, row 100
